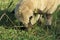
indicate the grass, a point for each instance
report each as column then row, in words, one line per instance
column 38, row 33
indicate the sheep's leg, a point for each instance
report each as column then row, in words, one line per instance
column 41, row 18
column 35, row 19
column 48, row 20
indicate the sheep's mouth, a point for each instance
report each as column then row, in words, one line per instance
column 23, row 28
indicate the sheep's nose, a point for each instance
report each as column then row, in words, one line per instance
column 23, row 27
column 21, row 24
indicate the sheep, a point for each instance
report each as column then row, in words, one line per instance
column 25, row 11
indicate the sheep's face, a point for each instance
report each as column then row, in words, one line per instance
column 24, row 16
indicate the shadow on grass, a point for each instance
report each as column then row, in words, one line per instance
column 8, row 19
